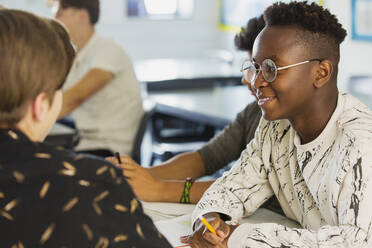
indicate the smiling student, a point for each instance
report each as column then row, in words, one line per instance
column 311, row 149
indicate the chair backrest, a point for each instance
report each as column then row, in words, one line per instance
column 136, row 149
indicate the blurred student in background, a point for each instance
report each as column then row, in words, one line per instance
column 102, row 93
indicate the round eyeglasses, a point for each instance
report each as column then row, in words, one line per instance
column 251, row 69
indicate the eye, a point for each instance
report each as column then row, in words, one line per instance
column 256, row 67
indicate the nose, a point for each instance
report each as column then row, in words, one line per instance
column 244, row 81
column 259, row 82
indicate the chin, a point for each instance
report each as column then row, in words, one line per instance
column 269, row 116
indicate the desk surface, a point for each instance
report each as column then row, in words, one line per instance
column 216, row 106
column 163, row 211
column 155, row 70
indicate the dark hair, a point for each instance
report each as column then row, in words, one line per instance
column 310, row 17
column 318, row 28
column 245, row 39
column 92, row 6
column 36, row 57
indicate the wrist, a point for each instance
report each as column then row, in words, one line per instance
column 185, row 197
column 160, row 189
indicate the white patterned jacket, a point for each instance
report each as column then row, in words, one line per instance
column 325, row 185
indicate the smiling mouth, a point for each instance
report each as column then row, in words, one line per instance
column 262, row 101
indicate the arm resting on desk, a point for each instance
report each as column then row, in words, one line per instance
column 149, row 188
column 90, row 84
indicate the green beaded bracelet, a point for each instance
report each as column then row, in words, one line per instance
column 185, row 198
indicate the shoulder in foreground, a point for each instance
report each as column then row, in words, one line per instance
column 74, row 163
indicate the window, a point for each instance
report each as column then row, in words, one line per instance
column 236, row 13
column 160, row 9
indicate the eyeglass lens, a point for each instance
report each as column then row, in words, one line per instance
column 252, row 69
column 269, row 70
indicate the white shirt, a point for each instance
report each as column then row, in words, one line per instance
column 325, row 185
column 110, row 118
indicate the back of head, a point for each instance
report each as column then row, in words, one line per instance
column 245, row 39
column 92, row 6
column 318, row 29
column 36, row 56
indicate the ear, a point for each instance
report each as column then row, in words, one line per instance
column 323, row 73
column 40, row 107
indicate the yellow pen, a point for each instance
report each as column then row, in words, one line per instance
column 206, row 223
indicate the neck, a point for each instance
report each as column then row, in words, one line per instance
column 312, row 122
column 28, row 130
column 31, row 128
column 83, row 36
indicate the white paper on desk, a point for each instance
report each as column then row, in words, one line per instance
column 170, row 209
column 174, row 228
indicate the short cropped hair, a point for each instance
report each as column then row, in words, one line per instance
column 245, row 39
column 320, row 29
column 92, row 6
column 36, row 56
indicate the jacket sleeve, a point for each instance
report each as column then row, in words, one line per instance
column 240, row 191
column 352, row 205
column 354, row 229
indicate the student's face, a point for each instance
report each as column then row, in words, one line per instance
column 288, row 96
column 68, row 16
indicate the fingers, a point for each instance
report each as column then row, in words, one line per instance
column 128, row 160
column 185, row 239
column 222, row 230
column 131, row 171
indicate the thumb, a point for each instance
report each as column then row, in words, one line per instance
column 223, row 231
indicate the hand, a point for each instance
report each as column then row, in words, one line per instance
column 144, row 185
column 202, row 237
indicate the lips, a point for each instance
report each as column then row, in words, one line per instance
column 265, row 100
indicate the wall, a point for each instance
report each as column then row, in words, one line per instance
column 164, row 38
column 192, row 38
column 355, row 55
column 151, row 38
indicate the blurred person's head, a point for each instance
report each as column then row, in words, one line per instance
column 36, row 57
column 295, row 61
column 244, row 40
column 79, row 16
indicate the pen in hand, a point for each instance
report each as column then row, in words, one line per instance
column 117, row 156
column 206, row 223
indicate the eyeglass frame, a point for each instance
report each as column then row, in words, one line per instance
column 276, row 68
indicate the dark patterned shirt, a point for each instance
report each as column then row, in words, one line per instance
column 51, row 197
